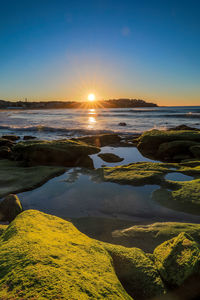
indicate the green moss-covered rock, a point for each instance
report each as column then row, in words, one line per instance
column 66, row 153
column 136, row 272
column 110, row 157
column 15, row 178
column 148, row 237
column 5, row 152
column 177, row 259
column 6, row 143
column 137, row 173
column 45, row 257
column 185, row 197
column 149, row 143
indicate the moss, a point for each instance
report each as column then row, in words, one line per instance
column 101, row 140
column 137, row 173
column 150, row 141
column 15, row 178
column 136, row 272
column 177, row 259
column 148, row 237
column 185, row 197
column 61, row 153
column 110, row 157
column 45, row 257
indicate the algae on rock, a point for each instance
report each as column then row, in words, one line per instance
column 177, row 259
column 15, row 178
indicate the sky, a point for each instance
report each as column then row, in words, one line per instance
column 64, row 50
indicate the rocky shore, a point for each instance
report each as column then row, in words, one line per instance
column 43, row 256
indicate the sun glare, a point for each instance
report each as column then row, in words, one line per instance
column 91, row 97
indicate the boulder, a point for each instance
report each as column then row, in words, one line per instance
column 5, row 152
column 177, row 259
column 110, row 157
column 29, row 137
column 68, row 153
column 122, row 124
column 11, row 137
column 150, row 142
column 10, row 207
column 183, row 127
column 175, row 150
column 101, row 140
column 136, row 272
column 6, row 143
column 195, row 151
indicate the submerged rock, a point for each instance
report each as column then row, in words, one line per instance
column 66, row 153
column 11, row 137
column 15, row 178
column 10, row 207
column 177, row 259
column 110, row 157
column 148, row 237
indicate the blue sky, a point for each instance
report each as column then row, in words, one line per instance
column 64, row 50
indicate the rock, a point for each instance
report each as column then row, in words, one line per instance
column 183, row 197
column 183, row 127
column 136, row 272
column 45, row 257
column 29, row 137
column 10, row 207
column 122, row 124
column 150, row 142
column 195, row 151
column 6, row 143
column 15, row 177
column 175, row 150
column 137, row 173
column 148, row 237
column 101, row 140
column 11, row 137
column 68, row 153
column 5, row 152
column 177, row 259
column 110, row 157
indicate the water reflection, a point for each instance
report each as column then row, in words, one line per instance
column 92, row 118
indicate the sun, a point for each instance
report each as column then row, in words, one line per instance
column 91, row 97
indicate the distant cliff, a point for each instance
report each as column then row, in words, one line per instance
column 112, row 103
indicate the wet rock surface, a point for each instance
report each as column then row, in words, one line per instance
column 110, row 157
column 10, row 207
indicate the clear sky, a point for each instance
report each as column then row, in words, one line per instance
column 63, row 50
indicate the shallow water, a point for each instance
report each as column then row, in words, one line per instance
column 60, row 123
column 76, row 195
column 130, row 155
column 176, row 176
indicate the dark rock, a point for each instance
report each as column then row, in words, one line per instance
column 6, row 143
column 10, row 207
column 183, row 127
column 29, row 137
column 67, row 153
column 110, row 157
column 122, row 124
column 5, row 152
column 195, row 151
column 11, row 137
column 101, row 140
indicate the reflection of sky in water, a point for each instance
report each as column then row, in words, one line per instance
column 178, row 177
column 130, row 155
column 81, row 197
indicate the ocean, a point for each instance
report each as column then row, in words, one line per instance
column 63, row 123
